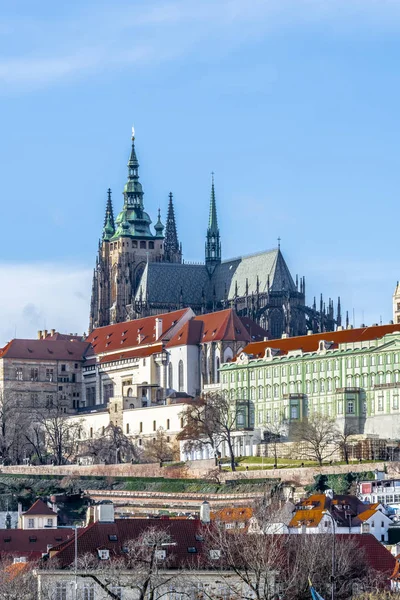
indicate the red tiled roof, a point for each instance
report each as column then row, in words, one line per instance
column 136, row 353
column 40, row 508
column 222, row 325
column 90, row 539
column 231, row 514
column 310, row 343
column 31, row 543
column 44, row 349
column 119, row 336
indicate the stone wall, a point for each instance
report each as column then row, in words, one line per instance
column 301, row 476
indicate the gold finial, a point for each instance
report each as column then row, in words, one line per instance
column 133, row 133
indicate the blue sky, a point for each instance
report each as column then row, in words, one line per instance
column 293, row 104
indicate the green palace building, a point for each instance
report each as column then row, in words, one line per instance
column 350, row 374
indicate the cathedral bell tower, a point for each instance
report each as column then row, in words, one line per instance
column 213, row 243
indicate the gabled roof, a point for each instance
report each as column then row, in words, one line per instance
column 40, row 508
column 233, row 514
column 134, row 334
column 224, row 325
column 31, row 543
column 45, row 349
column 310, row 343
column 183, row 534
column 243, row 273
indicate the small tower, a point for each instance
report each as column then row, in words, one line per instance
column 396, row 304
column 172, row 249
column 213, row 243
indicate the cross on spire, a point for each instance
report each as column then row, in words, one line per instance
column 279, row 242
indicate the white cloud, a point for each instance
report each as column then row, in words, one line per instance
column 39, row 296
column 119, row 35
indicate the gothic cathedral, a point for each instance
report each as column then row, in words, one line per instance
column 140, row 273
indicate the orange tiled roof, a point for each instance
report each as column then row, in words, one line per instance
column 310, row 343
column 233, row 514
column 222, row 325
column 312, row 516
column 366, row 514
column 131, row 334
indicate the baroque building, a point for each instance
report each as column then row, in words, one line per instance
column 140, row 272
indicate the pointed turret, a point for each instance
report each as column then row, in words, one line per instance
column 172, row 249
column 213, row 244
column 109, row 210
column 109, row 225
column 159, row 227
column 133, row 192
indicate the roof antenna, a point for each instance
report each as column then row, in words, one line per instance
column 380, row 319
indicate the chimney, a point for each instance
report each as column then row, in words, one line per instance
column 285, row 336
column 205, row 512
column 44, row 334
column 309, row 331
column 158, row 327
column 52, row 332
column 340, row 328
column 104, row 512
column 19, row 509
column 39, row 334
column 265, row 339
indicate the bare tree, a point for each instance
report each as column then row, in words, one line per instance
column 143, row 567
column 13, row 423
column 56, row 432
column 210, row 421
column 317, row 437
column 158, row 449
column 111, row 446
column 273, row 434
column 344, row 441
column 267, row 566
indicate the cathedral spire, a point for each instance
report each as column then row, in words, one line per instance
column 109, row 224
column 133, row 192
column 213, row 244
column 172, row 249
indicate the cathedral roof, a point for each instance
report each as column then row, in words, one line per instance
column 173, row 283
column 224, row 325
column 235, row 275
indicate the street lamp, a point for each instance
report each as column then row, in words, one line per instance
column 328, row 514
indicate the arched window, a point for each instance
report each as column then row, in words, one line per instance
column 322, row 385
column 180, row 376
column 129, row 393
column 315, row 386
column 284, row 389
column 268, row 391
column 276, row 391
column 170, row 376
column 243, row 394
column 260, row 393
column 217, row 369
column 252, row 393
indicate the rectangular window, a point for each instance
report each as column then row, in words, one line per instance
column 293, row 412
column 31, row 523
column 49, row 401
column 18, row 374
column 34, row 399
column 49, row 522
column 168, row 424
column 350, row 407
column 140, row 427
column 283, row 371
column 395, row 402
column 61, row 591
column 49, row 374
column 63, row 368
column 154, row 425
column 108, row 392
column 34, row 374
column 380, row 403
column 88, row 592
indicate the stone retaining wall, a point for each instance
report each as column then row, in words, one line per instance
column 195, row 470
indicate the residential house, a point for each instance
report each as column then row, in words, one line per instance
column 345, row 513
column 38, row 516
